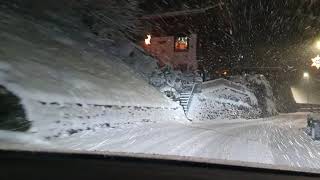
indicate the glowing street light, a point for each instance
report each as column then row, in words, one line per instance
column 306, row 75
column 318, row 44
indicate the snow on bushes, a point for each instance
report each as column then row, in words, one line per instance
column 261, row 87
column 221, row 100
column 169, row 81
column 173, row 82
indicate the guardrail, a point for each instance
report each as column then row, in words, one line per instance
column 309, row 107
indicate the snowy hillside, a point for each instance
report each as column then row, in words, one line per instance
column 41, row 58
column 67, row 82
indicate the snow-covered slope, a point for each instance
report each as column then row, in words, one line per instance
column 68, row 83
column 42, row 61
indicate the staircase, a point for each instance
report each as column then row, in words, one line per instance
column 186, row 97
column 184, row 100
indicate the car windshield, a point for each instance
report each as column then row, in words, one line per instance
column 217, row 80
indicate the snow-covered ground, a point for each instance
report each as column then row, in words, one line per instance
column 276, row 141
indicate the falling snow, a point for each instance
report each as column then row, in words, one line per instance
column 85, row 83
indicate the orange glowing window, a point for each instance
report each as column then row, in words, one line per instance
column 181, row 43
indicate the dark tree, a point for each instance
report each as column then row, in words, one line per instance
column 12, row 114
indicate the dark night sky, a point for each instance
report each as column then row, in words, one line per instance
column 265, row 32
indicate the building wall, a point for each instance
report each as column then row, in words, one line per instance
column 162, row 48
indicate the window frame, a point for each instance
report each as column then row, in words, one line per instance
column 175, row 40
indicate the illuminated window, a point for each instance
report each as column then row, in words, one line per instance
column 181, row 43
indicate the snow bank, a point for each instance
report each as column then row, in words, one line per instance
column 9, row 139
column 314, row 116
column 223, row 99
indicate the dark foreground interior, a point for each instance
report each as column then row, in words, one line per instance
column 34, row 165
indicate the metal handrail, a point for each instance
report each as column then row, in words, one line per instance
column 191, row 95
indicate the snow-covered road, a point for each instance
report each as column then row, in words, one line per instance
column 279, row 140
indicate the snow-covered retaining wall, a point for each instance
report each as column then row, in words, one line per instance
column 223, row 99
column 53, row 120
